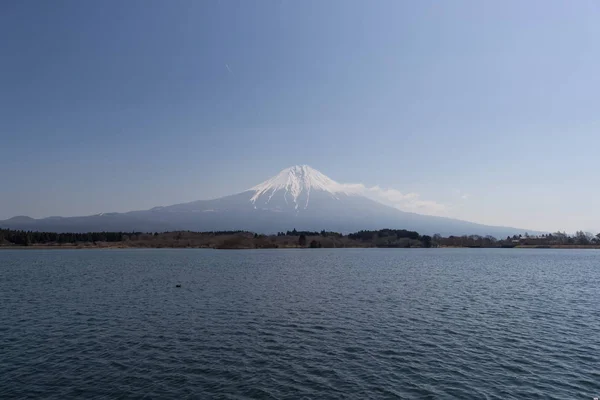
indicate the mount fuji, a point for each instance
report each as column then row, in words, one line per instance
column 298, row 197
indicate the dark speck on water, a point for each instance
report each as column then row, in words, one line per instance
column 292, row 324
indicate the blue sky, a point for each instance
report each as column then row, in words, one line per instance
column 480, row 110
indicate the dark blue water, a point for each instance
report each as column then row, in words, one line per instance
column 289, row 324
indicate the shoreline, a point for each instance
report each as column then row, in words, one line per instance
column 120, row 247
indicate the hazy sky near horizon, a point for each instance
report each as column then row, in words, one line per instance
column 479, row 110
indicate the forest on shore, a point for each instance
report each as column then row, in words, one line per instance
column 384, row 238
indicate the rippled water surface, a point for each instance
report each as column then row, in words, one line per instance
column 289, row 324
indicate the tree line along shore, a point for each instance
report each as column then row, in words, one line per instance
column 384, row 238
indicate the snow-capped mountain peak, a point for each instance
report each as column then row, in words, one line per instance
column 298, row 197
column 295, row 181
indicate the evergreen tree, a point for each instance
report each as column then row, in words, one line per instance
column 426, row 240
column 302, row 240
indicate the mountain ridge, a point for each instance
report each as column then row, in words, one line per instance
column 297, row 197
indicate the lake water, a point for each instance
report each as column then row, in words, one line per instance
column 290, row 324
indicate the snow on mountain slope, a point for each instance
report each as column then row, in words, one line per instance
column 296, row 183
